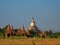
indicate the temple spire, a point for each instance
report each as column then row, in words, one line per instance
column 8, row 27
column 33, row 22
column 23, row 28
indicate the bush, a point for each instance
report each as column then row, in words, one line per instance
column 53, row 36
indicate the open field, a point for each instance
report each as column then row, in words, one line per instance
column 30, row 41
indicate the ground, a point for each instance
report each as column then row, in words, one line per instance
column 30, row 41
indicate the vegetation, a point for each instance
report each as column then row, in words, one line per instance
column 33, row 34
column 30, row 41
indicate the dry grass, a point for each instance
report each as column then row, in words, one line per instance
column 30, row 41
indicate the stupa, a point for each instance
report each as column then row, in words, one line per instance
column 33, row 26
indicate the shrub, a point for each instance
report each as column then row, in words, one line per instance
column 53, row 36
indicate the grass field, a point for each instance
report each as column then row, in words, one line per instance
column 30, row 41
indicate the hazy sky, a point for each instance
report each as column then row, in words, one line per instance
column 17, row 12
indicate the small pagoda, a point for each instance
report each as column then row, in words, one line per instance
column 9, row 31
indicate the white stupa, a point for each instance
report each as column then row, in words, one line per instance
column 33, row 26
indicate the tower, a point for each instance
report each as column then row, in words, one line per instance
column 33, row 26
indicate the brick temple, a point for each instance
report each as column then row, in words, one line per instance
column 10, row 31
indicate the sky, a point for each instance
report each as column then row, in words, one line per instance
column 46, row 13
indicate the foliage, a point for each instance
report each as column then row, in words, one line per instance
column 53, row 36
column 33, row 34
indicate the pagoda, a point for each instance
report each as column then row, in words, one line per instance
column 33, row 26
column 9, row 31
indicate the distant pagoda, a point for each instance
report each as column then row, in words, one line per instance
column 32, row 23
column 33, row 26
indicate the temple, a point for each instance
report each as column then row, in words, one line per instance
column 10, row 31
